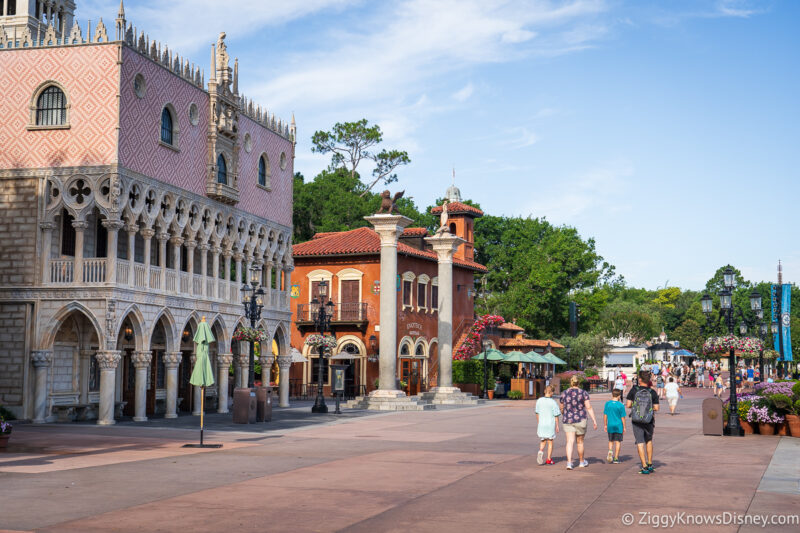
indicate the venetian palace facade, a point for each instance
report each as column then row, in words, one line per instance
column 136, row 194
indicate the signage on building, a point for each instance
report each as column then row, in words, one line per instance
column 414, row 328
column 295, row 293
column 376, row 287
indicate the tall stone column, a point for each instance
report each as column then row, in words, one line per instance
column 243, row 362
column 284, row 363
column 162, row 237
column 226, row 272
column 41, row 360
column 112, row 231
column 445, row 244
column 77, row 271
column 203, row 247
column 107, row 361
column 266, row 366
column 190, row 246
column 131, row 229
column 141, row 362
column 268, row 285
column 47, row 242
column 176, row 242
column 85, row 363
column 389, row 228
column 147, row 236
column 171, row 362
column 223, row 370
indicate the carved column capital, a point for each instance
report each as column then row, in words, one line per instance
column 113, row 225
column 227, row 252
column 284, row 362
column 147, row 233
column 238, row 256
column 47, row 226
column 216, row 250
column 141, row 359
column 266, row 361
column 191, row 245
column 243, row 360
column 133, row 228
column 108, row 360
column 41, row 358
column 80, row 225
column 177, row 240
column 162, row 236
column 203, row 247
column 224, row 360
column 173, row 359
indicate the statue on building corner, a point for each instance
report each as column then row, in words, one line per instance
column 443, row 227
column 389, row 203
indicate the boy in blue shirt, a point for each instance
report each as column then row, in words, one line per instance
column 547, row 413
column 614, row 422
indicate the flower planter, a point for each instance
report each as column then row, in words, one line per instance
column 4, row 439
column 748, row 428
column 766, row 428
column 793, row 421
column 783, row 429
column 491, row 394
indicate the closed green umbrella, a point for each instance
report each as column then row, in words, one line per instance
column 492, row 354
column 202, row 374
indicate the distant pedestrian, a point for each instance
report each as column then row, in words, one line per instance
column 547, row 413
column 700, row 376
column 575, row 406
column 614, row 424
column 660, row 385
column 719, row 386
column 619, row 383
column 673, row 391
column 643, row 403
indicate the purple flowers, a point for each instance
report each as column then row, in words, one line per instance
column 5, row 427
column 763, row 415
column 768, row 389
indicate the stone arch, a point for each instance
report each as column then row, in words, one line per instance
column 351, row 339
column 55, row 323
column 421, row 343
column 170, row 329
column 191, row 322
column 220, row 331
column 406, row 341
column 281, row 336
column 140, row 333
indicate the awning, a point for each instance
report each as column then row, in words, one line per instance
column 625, row 359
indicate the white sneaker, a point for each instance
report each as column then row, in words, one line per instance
column 540, row 457
column 583, row 464
column 610, row 456
column 569, row 466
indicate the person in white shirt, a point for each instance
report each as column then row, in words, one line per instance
column 673, row 391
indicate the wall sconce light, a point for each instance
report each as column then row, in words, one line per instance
column 373, row 343
column 185, row 335
column 128, row 333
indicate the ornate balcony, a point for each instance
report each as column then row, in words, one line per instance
column 344, row 314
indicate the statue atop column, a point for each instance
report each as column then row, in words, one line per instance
column 389, row 203
column 443, row 227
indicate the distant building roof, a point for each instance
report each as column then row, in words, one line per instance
column 532, row 343
column 364, row 241
column 415, row 232
column 456, row 208
column 510, row 326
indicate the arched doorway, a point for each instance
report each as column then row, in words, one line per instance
column 352, row 374
column 185, row 390
column 129, row 340
column 74, row 373
column 409, row 367
column 159, row 344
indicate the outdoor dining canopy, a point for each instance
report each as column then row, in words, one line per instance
column 492, row 354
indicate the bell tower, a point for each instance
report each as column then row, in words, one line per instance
column 31, row 18
column 461, row 221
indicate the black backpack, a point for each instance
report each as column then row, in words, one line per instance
column 642, row 409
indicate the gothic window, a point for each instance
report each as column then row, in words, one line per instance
column 166, row 127
column 222, row 170
column 434, row 297
column 12, row 7
column 421, row 289
column 407, row 293
column 67, row 234
column 405, row 350
column 101, row 246
column 263, row 171
column 51, row 107
column 420, row 350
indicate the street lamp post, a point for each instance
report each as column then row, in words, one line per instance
column 726, row 305
column 323, row 311
column 253, row 304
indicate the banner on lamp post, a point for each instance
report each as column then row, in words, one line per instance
column 786, row 306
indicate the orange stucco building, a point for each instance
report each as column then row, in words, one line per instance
column 349, row 262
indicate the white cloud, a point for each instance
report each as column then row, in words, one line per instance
column 463, row 94
column 736, row 8
column 523, row 137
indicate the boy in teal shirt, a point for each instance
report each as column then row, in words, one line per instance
column 547, row 413
column 614, row 422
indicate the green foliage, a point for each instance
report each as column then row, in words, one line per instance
column 690, row 335
column 622, row 317
column 783, row 404
column 5, row 414
column 591, row 372
column 586, row 348
column 471, row 371
column 514, row 395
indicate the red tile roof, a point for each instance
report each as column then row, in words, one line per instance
column 454, row 208
column 533, row 343
column 363, row 241
column 415, row 232
column 510, row 326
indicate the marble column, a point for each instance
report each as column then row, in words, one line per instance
column 131, row 229
column 215, row 252
column 243, row 362
column 147, row 236
column 190, row 246
column 389, row 228
column 107, row 361
column 284, row 363
column 197, row 392
column 141, row 362
column 203, row 247
column 41, row 360
column 226, row 274
column 112, row 232
column 171, row 362
column 223, row 371
column 239, row 279
column 85, row 368
column 268, row 285
column 77, row 270
column 266, row 365
column 176, row 242
column 47, row 242
column 444, row 245
column 162, row 258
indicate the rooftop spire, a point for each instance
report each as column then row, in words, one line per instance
column 121, row 12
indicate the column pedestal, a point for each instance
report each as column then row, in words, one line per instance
column 223, row 366
column 107, row 361
column 41, row 360
column 141, row 362
column 171, row 362
column 284, row 363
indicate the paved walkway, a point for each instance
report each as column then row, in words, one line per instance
column 466, row 470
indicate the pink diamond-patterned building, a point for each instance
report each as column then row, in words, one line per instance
column 138, row 195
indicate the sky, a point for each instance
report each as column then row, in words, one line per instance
column 668, row 131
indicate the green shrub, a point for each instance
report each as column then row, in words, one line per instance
column 514, row 395
column 796, row 390
column 5, row 414
column 591, row 372
column 782, row 403
column 471, row 371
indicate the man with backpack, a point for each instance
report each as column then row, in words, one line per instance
column 642, row 400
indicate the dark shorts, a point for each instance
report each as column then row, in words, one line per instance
column 615, row 437
column 643, row 433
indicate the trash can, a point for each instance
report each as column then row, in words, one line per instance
column 263, row 404
column 244, row 406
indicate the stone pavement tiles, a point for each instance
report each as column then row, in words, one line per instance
column 471, row 469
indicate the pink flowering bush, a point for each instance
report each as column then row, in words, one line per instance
column 747, row 346
column 472, row 344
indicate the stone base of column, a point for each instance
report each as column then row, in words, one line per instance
column 450, row 396
column 106, row 422
column 140, row 419
column 389, row 400
column 170, row 416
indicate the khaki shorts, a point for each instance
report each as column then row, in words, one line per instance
column 579, row 428
column 672, row 400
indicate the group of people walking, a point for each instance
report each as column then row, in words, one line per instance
column 575, row 409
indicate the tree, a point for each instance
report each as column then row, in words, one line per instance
column 690, row 336
column 621, row 317
column 586, row 349
column 350, row 143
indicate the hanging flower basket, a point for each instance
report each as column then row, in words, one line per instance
column 321, row 341
column 746, row 346
column 250, row 335
column 770, row 354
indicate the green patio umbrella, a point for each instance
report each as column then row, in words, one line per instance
column 538, row 358
column 492, row 354
column 202, row 374
column 517, row 357
column 553, row 358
